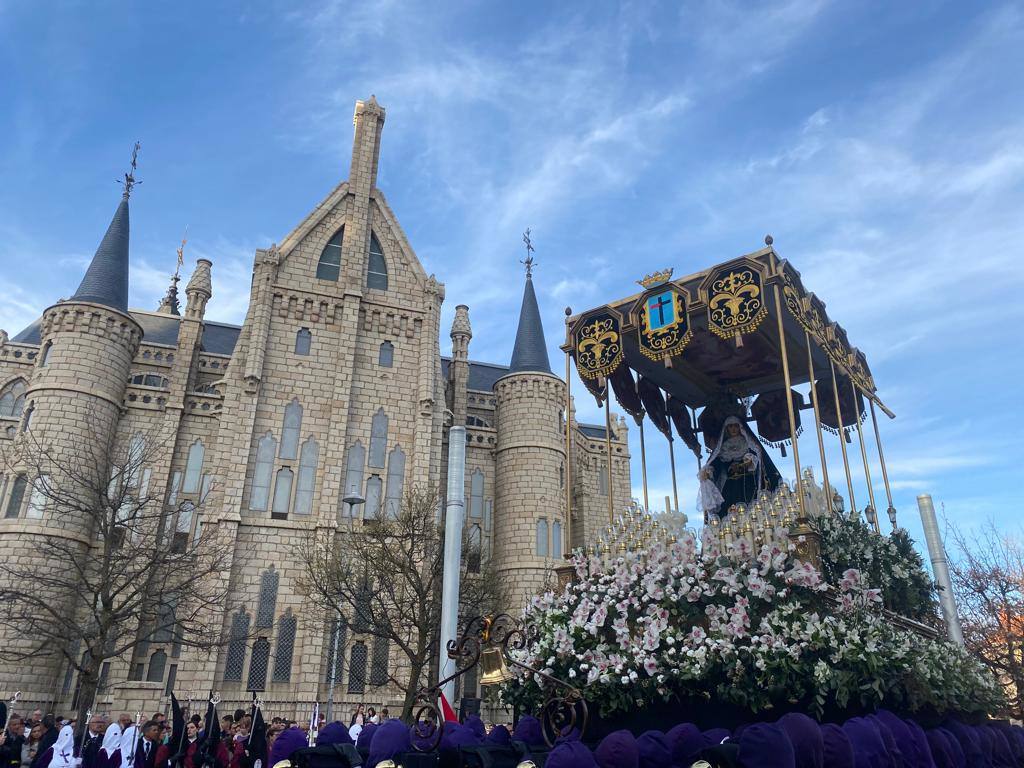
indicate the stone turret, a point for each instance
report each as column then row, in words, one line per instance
column 458, row 371
column 73, row 404
column 199, row 290
column 529, row 511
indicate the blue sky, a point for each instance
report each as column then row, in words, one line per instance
column 881, row 144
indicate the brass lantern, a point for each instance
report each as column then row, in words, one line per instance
column 492, row 662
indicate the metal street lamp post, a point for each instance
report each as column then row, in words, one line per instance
column 352, row 498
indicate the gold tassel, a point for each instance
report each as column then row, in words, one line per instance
column 739, row 339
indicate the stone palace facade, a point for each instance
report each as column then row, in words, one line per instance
column 334, row 381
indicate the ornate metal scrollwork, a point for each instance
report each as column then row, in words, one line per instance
column 564, row 709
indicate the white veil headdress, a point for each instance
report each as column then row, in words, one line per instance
column 129, row 743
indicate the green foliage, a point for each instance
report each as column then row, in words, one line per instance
column 890, row 564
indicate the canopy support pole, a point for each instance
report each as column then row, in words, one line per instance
column 672, row 461
column 817, row 424
column 789, row 404
column 881, row 458
column 643, row 466
column 842, row 440
column 864, row 458
column 608, row 446
column 568, row 447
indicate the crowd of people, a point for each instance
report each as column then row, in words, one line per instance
column 372, row 739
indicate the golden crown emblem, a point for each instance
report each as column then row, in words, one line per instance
column 655, row 278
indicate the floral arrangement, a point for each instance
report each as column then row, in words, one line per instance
column 890, row 563
column 756, row 629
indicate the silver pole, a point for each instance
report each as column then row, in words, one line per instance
column 334, row 667
column 940, row 568
column 454, row 511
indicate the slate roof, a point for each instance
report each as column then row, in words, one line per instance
column 482, row 376
column 106, row 280
column 530, row 353
column 594, row 430
column 218, row 338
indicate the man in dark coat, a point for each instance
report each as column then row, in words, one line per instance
column 93, row 741
column 11, row 742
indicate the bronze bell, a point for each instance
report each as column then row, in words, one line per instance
column 492, row 662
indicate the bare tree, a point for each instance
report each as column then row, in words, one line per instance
column 114, row 569
column 385, row 579
column 988, row 581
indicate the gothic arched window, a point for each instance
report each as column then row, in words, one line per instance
column 12, row 399
column 236, row 646
column 374, row 487
column 476, row 494
column 556, row 540
column 307, row 477
column 353, row 477
column 157, row 663
column 268, row 598
column 17, row 496
column 542, row 538
column 396, row 476
column 336, row 640
column 386, row 356
column 329, row 267
column 474, row 549
column 44, row 358
column 282, row 492
column 376, row 267
column 291, row 426
column 357, row 668
column 378, row 438
column 194, row 467
column 285, row 648
column 266, row 449
column 303, row 341
column 258, row 665
column 379, row 664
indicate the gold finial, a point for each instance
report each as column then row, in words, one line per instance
column 656, row 278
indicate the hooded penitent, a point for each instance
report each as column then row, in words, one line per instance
column 333, row 733
column 571, row 754
column 924, row 752
column 287, row 742
column 889, row 738
column 64, row 749
column 686, row 741
column 838, row 752
column 765, row 746
column 655, row 751
column 619, row 750
column 805, row 736
column 129, row 743
column 390, row 740
column 111, row 746
column 528, row 731
column 942, row 753
column 868, row 748
column 366, row 736
column 968, row 741
column 476, row 725
column 500, row 736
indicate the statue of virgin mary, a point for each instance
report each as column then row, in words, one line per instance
column 736, row 470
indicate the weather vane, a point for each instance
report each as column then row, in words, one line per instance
column 129, row 178
column 529, row 254
column 181, row 253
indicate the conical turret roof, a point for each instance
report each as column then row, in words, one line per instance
column 106, row 280
column 530, row 353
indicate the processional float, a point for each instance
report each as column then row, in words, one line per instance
column 731, row 342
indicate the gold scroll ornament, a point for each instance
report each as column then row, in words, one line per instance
column 597, row 341
column 736, row 302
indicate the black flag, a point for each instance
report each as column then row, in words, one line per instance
column 256, row 748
